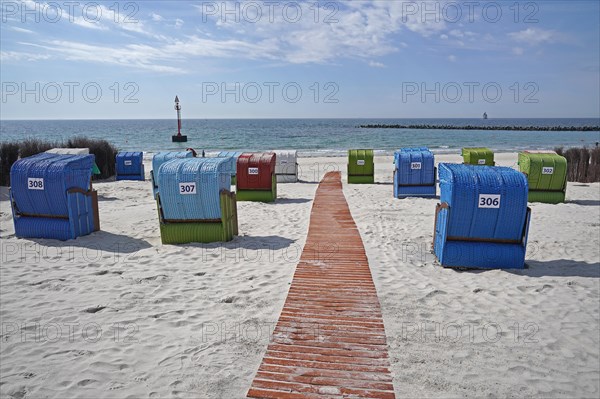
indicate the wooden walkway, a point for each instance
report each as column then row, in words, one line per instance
column 329, row 341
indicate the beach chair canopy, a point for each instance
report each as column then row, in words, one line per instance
column 255, row 171
column 39, row 183
column 190, row 187
column 130, row 165
column 51, row 196
column 485, row 202
column 233, row 156
column 162, row 157
column 360, row 163
column 414, row 166
column 478, row 156
column 545, row 171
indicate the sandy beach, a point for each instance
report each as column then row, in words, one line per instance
column 116, row 314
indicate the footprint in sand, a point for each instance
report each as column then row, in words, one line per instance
column 94, row 309
column 544, row 288
column 18, row 393
column 115, row 385
column 86, row 382
column 434, row 293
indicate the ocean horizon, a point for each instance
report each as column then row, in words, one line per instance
column 310, row 136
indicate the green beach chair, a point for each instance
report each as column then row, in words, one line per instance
column 547, row 176
column 478, row 156
column 361, row 168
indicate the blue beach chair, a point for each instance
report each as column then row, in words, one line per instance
column 414, row 173
column 483, row 218
column 130, row 166
column 51, row 196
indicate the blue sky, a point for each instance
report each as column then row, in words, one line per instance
column 255, row 59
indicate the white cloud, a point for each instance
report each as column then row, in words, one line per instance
column 22, row 30
column 363, row 31
column 456, row 33
column 20, row 56
column 518, row 51
column 135, row 56
column 376, row 64
column 536, row 36
column 452, row 58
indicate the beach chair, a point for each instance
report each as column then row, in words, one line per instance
column 256, row 179
column 130, row 166
column 51, row 196
column 414, row 173
column 483, row 219
column 161, row 157
column 478, row 156
column 234, row 155
column 361, row 168
column 546, row 174
column 195, row 202
column 75, row 151
column 286, row 167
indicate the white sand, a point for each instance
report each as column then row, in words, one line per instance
column 194, row 320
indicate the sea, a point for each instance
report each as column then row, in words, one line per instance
column 311, row 137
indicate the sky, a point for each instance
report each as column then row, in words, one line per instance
column 297, row 59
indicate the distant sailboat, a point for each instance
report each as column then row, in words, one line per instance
column 485, row 115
